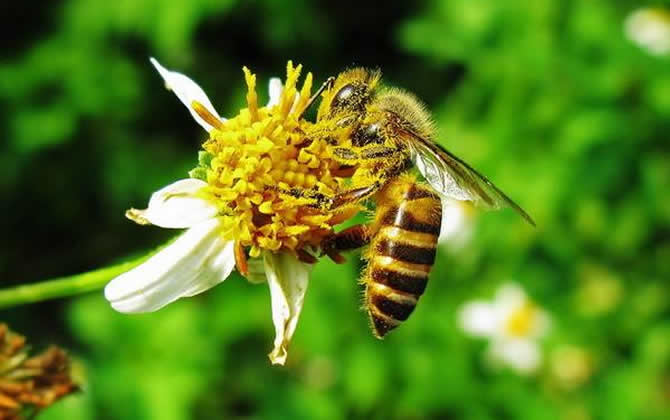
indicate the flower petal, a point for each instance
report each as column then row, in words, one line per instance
column 187, row 91
column 479, row 318
column 453, row 218
column 456, row 226
column 198, row 260
column 176, row 206
column 650, row 29
column 275, row 88
column 287, row 278
column 522, row 355
column 509, row 298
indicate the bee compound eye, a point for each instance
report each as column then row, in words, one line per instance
column 372, row 130
column 343, row 96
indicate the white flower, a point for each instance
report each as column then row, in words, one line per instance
column 650, row 29
column 456, row 228
column 200, row 258
column 512, row 323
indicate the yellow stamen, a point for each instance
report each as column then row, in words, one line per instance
column 521, row 322
column 305, row 94
column 252, row 98
column 259, row 166
column 289, row 92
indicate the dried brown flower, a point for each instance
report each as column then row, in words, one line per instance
column 29, row 384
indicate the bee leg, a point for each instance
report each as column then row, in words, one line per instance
column 315, row 199
column 354, row 195
column 350, row 238
column 344, row 171
column 326, row 85
column 306, row 257
column 345, row 156
column 395, row 164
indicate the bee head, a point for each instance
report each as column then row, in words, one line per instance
column 350, row 93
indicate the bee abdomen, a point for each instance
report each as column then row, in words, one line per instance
column 406, row 252
column 391, row 302
column 392, row 291
column 401, row 254
column 388, row 307
column 400, row 217
column 397, row 280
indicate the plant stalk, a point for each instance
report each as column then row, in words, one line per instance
column 66, row 286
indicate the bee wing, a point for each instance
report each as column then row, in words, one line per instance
column 452, row 177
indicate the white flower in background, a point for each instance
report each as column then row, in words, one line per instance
column 650, row 28
column 512, row 323
column 206, row 253
column 456, row 228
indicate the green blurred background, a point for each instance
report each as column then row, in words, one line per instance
column 549, row 99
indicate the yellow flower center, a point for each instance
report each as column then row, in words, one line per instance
column 522, row 321
column 261, row 170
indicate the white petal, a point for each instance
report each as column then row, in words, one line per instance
column 220, row 265
column 187, row 91
column 509, row 298
column 478, row 318
column 456, row 227
column 287, row 278
column 197, row 260
column 453, row 219
column 256, row 271
column 176, row 206
column 649, row 28
column 522, row 355
column 275, row 88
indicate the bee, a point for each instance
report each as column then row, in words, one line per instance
column 377, row 135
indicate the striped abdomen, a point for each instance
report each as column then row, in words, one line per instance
column 401, row 253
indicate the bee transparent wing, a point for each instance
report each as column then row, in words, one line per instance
column 453, row 178
column 438, row 174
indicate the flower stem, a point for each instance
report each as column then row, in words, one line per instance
column 67, row 286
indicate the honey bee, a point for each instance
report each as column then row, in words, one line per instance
column 377, row 135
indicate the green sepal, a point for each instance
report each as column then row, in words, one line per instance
column 198, row 173
column 205, row 158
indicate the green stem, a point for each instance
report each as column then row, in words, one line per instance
column 66, row 286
